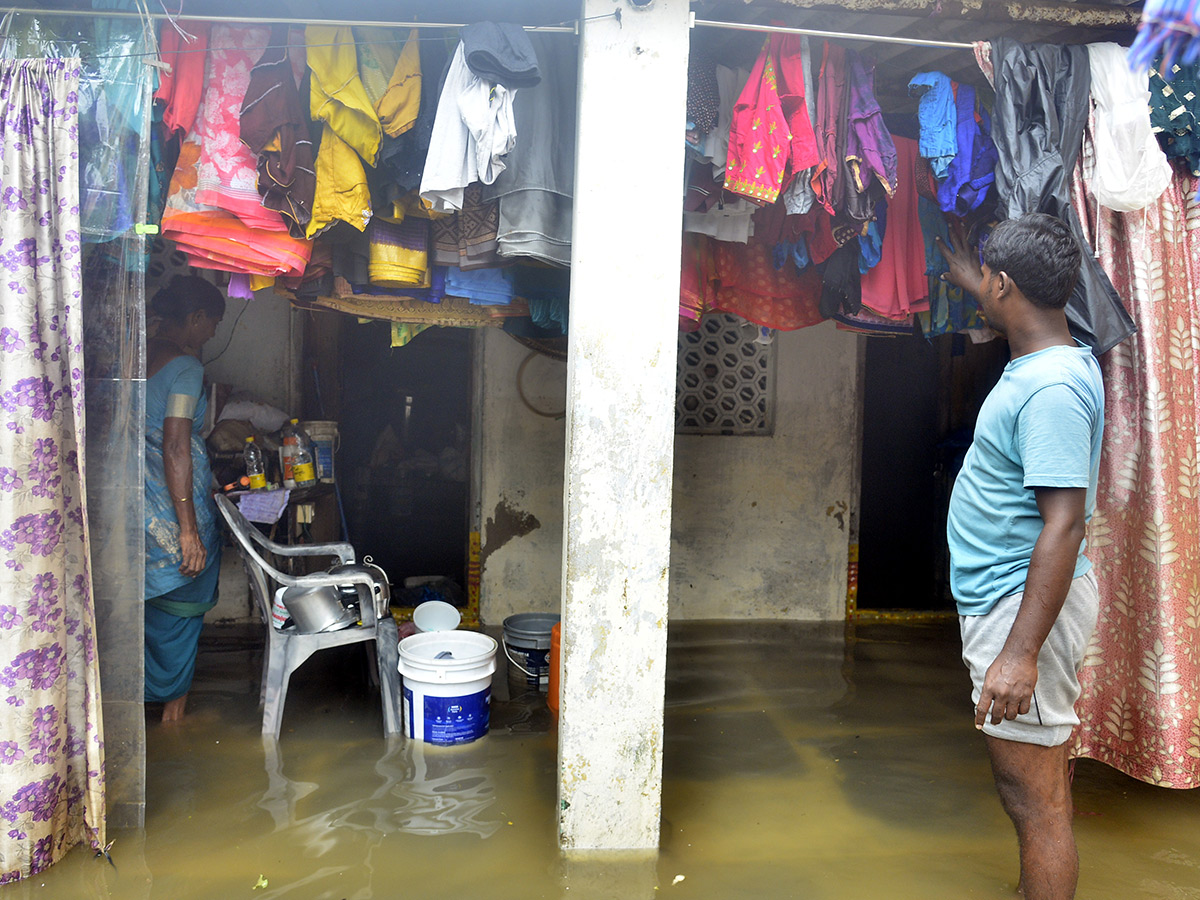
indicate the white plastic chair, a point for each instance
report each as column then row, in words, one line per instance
column 286, row 651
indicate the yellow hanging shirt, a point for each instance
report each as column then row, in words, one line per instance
column 338, row 97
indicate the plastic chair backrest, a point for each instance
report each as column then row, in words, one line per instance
column 250, row 539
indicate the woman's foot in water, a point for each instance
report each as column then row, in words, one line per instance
column 173, row 709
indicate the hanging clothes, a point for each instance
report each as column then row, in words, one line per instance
column 402, row 158
column 973, row 170
column 715, row 146
column 215, row 238
column 1042, row 95
column 547, row 291
column 400, row 102
column 841, row 284
column 1141, row 678
column 762, row 145
column 833, row 104
column 226, row 171
column 897, row 286
column 467, row 238
column 870, row 151
column 342, row 193
column 483, row 287
column 180, row 87
column 1175, row 112
column 500, row 53
column 213, row 210
column 337, row 96
column 872, row 324
column 798, row 196
column 746, row 283
column 535, row 189
column 950, row 308
column 703, row 94
column 274, row 126
column 473, row 131
column 1131, row 170
column 938, row 118
column 399, row 253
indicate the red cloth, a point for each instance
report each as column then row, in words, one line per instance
column 898, row 286
column 696, row 289
column 770, row 130
column 749, row 285
column 180, row 89
column 758, row 135
column 803, row 152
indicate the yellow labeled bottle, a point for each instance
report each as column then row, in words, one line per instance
column 256, row 469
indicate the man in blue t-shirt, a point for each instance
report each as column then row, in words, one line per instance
column 1026, row 595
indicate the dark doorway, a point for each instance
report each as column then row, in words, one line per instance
column 405, row 455
column 919, row 406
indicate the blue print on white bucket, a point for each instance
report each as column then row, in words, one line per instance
column 449, row 720
column 447, row 685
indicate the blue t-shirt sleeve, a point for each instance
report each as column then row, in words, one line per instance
column 1054, row 438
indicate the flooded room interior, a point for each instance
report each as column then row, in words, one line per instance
column 555, row 551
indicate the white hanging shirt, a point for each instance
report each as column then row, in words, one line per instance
column 473, row 129
column 1131, row 169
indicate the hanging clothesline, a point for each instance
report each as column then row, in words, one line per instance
column 267, row 20
column 572, row 28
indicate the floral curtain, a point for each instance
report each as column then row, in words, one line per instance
column 1140, row 708
column 51, row 743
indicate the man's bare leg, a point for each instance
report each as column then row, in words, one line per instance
column 173, row 709
column 1036, row 794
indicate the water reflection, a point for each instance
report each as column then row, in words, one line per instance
column 422, row 789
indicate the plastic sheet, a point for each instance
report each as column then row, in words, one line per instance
column 113, row 109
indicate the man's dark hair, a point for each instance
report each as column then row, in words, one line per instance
column 1039, row 253
column 186, row 294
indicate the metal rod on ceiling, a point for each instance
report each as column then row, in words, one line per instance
column 840, row 35
column 263, row 20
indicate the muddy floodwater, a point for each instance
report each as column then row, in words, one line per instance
column 801, row 761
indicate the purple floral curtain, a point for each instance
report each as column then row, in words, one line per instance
column 51, row 737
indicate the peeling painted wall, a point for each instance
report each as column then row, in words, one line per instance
column 522, row 487
column 758, row 524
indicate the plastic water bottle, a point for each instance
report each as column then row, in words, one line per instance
column 289, row 440
column 256, row 468
column 304, row 471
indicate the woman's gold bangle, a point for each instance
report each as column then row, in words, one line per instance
column 183, row 499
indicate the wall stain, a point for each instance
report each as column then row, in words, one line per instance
column 838, row 511
column 505, row 524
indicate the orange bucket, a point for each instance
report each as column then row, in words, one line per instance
column 555, row 658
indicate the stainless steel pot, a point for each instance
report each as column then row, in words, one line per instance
column 317, row 609
column 379, row 592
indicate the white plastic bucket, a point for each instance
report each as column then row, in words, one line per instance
column 436, row 615
column 527, row 646
column 324, row 435
column 447, row 685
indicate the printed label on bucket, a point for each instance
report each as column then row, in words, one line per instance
column 324, row 458
column 535, row 662
column 450, row 720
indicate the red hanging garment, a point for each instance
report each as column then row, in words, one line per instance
column 180, row 89
column 758, row 136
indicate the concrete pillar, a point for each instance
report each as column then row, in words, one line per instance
column 620, row 420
